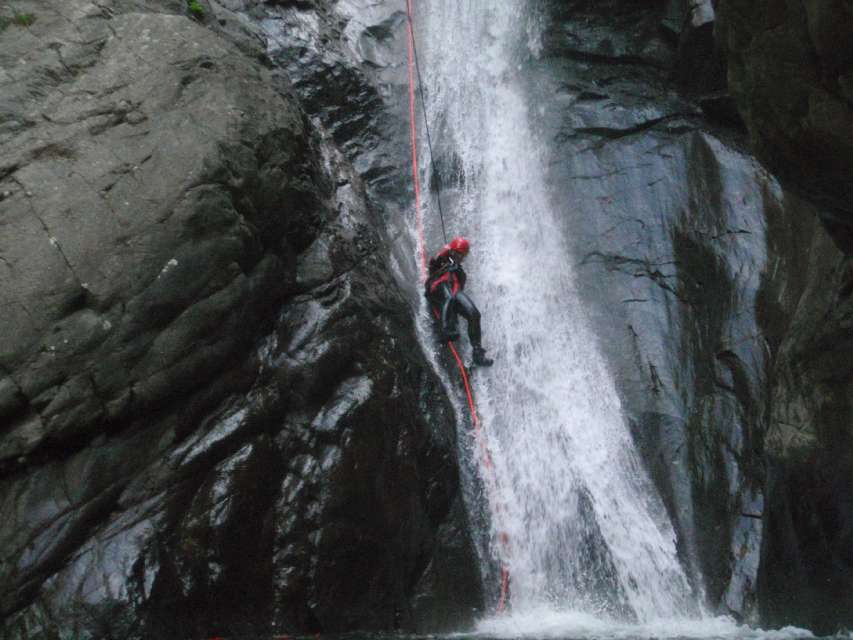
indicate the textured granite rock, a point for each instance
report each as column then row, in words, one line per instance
column 789, row 67
column 721, row 300
column 215, row 418
column 664, row 211
column 806, row 561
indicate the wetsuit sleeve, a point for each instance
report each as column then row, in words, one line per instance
column 436, row 265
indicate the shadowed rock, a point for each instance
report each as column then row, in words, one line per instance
column 790, row 69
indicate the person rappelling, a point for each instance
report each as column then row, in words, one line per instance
column 444, row 289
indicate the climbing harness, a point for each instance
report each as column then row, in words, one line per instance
column 491, row 480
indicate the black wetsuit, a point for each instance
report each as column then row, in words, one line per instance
column 444, row 289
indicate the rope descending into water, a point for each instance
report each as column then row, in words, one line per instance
column 484, row 448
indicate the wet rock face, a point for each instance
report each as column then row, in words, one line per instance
column 725, row 306
column 669, row 266
column 788, row 68
column 702, row 255
column 344, row 63
column 215, row 418
column 791, row 70
column 806, row 564
column 124, row 212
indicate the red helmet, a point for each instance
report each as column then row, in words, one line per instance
column 459, row 245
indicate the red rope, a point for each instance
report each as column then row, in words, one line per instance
column 474, row 417
column 504, row 589
column 469, row 394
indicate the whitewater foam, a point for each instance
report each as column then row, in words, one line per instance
column 546, row 623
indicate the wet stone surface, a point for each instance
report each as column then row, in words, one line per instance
column 212, row 399
column 670, row 271
column 691, row 256
column 213, row 408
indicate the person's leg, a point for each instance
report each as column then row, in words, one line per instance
column 447, row 305
column 471, row 313
column 468, row 310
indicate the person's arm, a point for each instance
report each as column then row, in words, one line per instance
column 438, row 265
column 435, row 269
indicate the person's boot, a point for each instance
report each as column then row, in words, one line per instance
column 480, row 358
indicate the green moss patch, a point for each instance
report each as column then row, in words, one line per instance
column 195, row 9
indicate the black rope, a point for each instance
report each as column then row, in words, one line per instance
column 426, row 126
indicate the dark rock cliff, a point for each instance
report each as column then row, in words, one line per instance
column 807, row 566
column 791, row 68
column 720, row 296
column 665, row 208
column 215, row 415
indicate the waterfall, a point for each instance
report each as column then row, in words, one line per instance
column 587, row 531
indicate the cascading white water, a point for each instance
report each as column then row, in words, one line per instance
column 586, row 530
